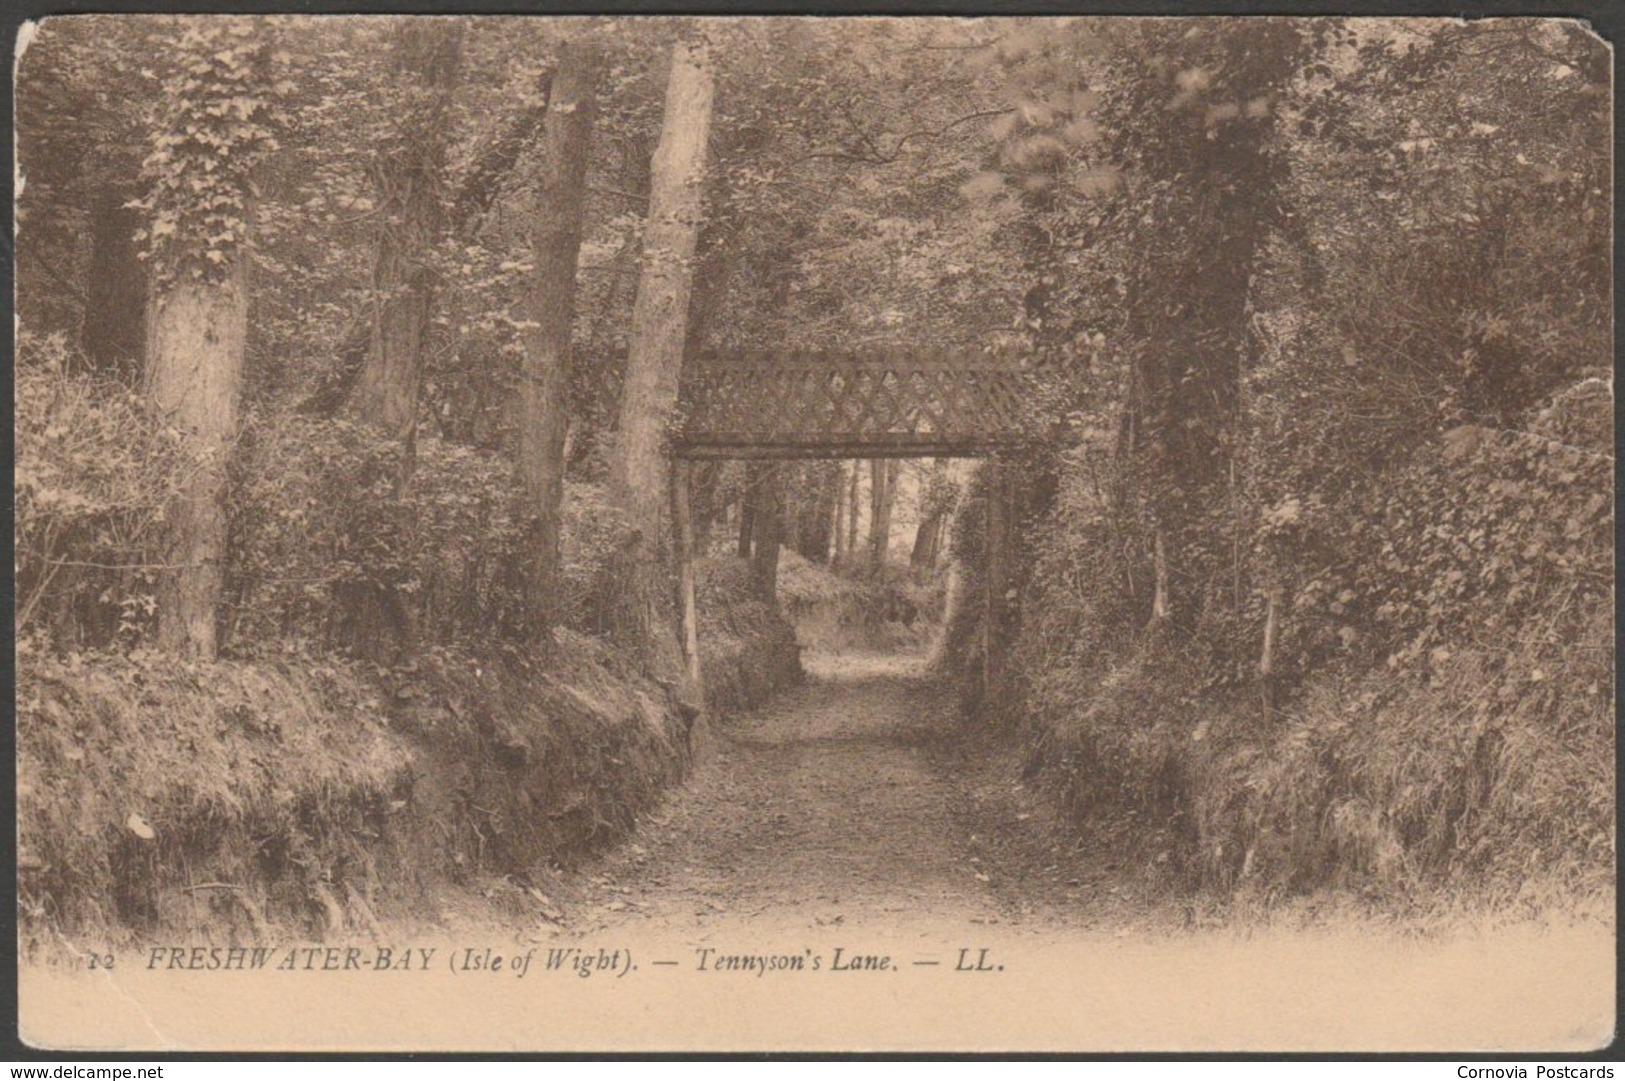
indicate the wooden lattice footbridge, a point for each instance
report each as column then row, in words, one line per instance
column 883, row 403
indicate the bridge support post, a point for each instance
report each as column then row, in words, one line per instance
column 683, row 533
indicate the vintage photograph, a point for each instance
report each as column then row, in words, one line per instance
column 720, row 534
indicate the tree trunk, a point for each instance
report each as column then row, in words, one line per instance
column 407, row 174
column 996, row 557
column 1160, row 607
column 196, row 333
column 705, row 501
column 478, row 397
column 753, row 505
column 893, row 468
column 544, row 386
column 687, row 592
column 409, row 180
column 837, row 547
column 883, row 481
column 1266, row 657
column 934, row 505
column 792, row 501
column 923, row 555
column 747, row 516
column 471, row 422
column 769, row 531
column 816, row 532
column 655, row 356
column 877, row 490
column 852, row 508
column 114, row 329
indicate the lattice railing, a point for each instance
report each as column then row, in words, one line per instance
column 891, row 402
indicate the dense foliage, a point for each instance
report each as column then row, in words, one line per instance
column 1325, row 592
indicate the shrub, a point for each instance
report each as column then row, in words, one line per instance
column 327, row 547
column 93, row 474
column 748, row 649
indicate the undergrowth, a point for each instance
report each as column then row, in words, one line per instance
column 1440, row 718
column 884, row 610
column 748, row 649
column 318, row 795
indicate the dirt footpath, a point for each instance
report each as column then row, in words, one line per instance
column 828, row 806
column 855, row 800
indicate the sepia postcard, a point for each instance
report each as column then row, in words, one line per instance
column 791, row 534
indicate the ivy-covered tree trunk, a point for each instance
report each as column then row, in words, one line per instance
column 893, row 467
column 545, row 378
column 201, row 210
column 479, row 402
column 638, row 467
column 197, row 331
column 408, row 176
column 1191, row 302
column 408, row 179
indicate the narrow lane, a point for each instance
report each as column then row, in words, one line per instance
column 832, row 805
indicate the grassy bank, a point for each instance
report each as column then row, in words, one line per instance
column 318, row 796
column 885, row 611
column 1440, row 721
